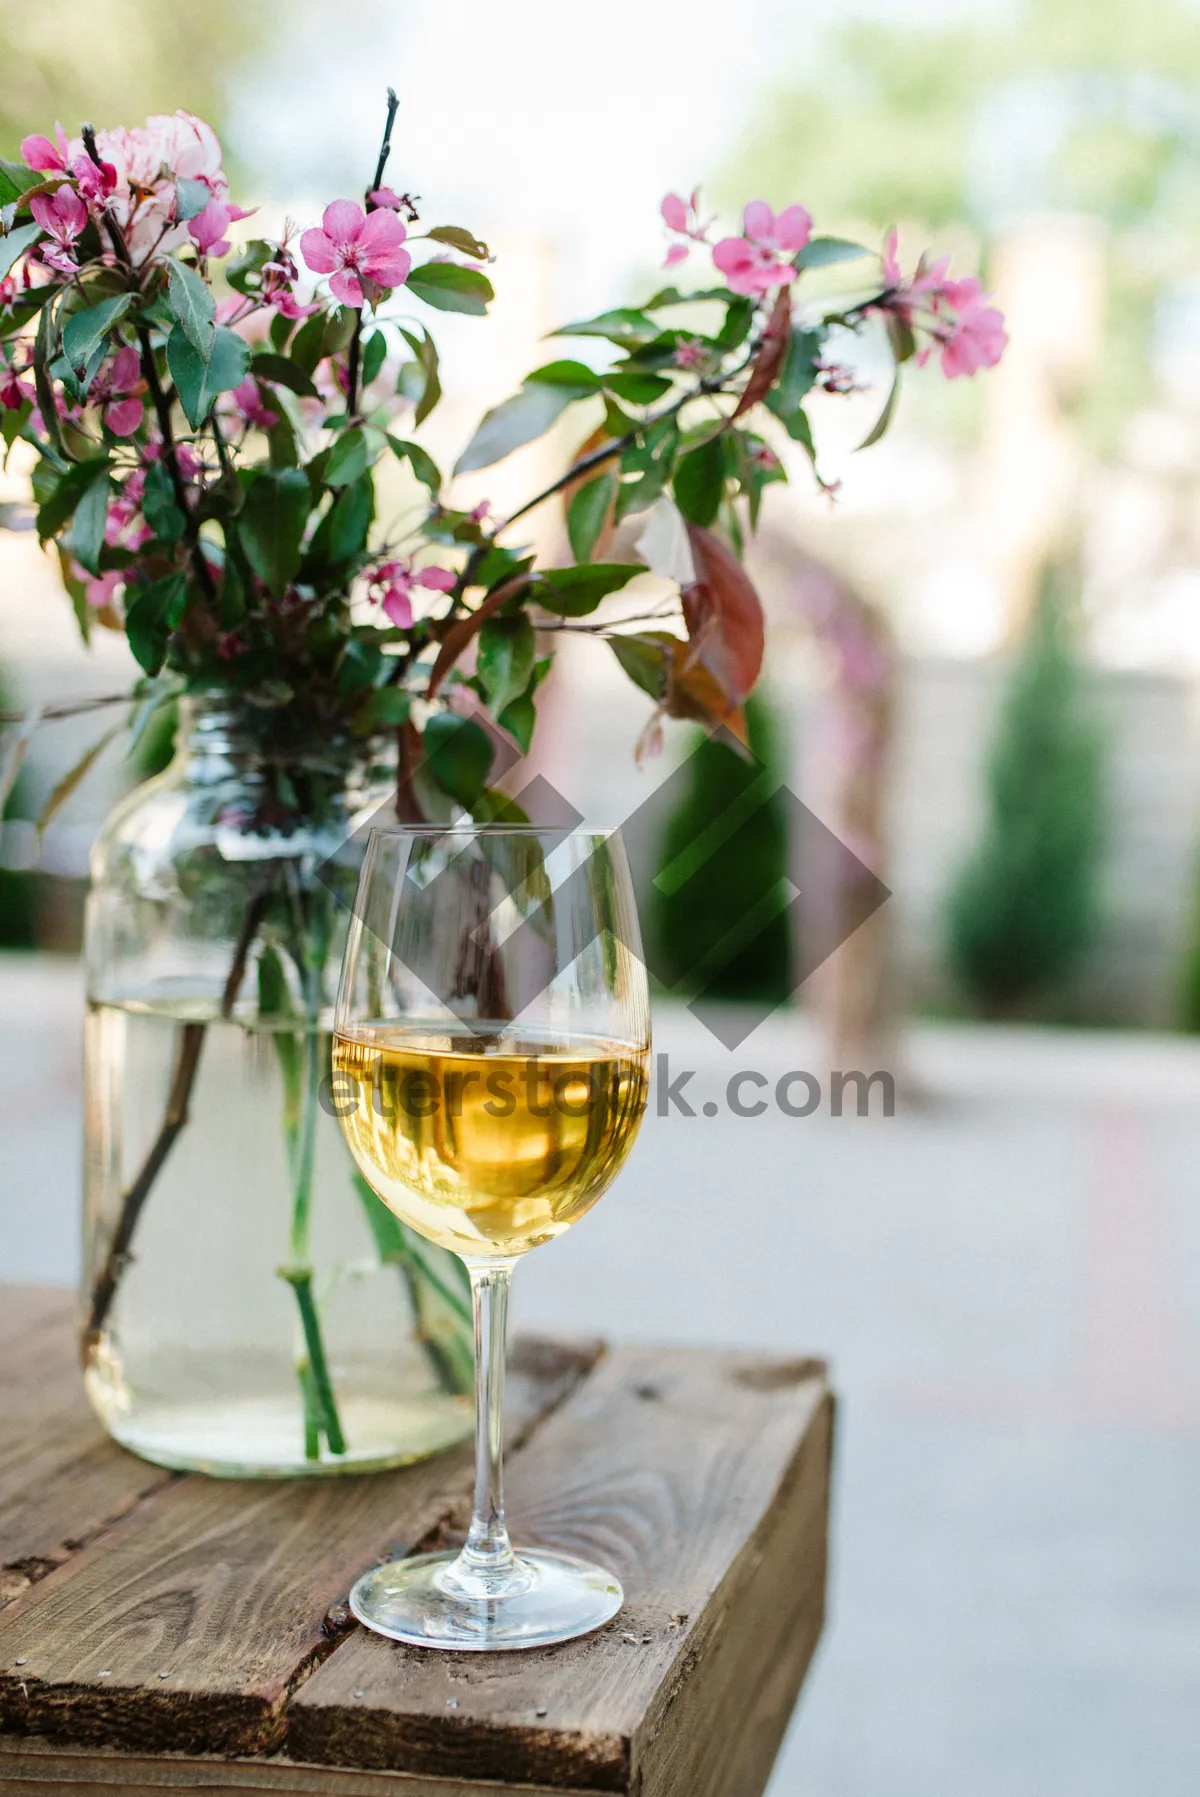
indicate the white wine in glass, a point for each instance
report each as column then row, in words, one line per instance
column 490, row 1070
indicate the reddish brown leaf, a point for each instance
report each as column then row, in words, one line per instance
column 692, row 692
column 771, row 355
column 724, row 617
column 461, row 634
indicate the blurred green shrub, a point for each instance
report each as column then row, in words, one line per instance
column 18, row 895
column 753, row 956
column 1024, row 906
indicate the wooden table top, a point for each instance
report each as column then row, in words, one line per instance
column 161, row 1631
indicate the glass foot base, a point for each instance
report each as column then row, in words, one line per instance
column 564, row 1598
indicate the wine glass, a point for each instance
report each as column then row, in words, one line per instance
column 490, row 1070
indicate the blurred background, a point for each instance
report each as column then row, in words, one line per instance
column 983, row 672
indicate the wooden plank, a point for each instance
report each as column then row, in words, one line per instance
column 186, row 1627
column 62, row 1481
column 37, row 1768
column 701, row 1478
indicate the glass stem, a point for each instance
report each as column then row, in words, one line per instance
column 487, row 1566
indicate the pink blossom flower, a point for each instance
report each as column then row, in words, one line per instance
column 249, row 401
column 350, row 244
column 38, row 152
column 690, row 353
column 95, row 181
column 62, row 215
column 148, row 160
column 116, row 389
column 392, row 587
column 480, row 512
column 384, row 196
column 681, row 215
column 277, row 278
column 891, row 267
column 977, row 339
column 753, row 262
column 13, row 391
column 955, row 317
column 207, row 230
column 100, row 590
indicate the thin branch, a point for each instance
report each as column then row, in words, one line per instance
column 104, row 1289
column 68, row 708
column 619, row 445
column 354, row 359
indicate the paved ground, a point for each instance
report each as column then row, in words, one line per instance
column 1007, row 1277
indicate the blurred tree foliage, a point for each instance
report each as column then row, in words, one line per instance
column 1084, row 105
column 114, row 61
column 708, row 912
column 17, row 888
column 1025, row 904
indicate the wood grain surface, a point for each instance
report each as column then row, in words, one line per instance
column 186, row 1626
column 62, row 1481
column 666, row 1465
column 168, row 1632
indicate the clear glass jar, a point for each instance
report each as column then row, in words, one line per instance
column 249, row 1306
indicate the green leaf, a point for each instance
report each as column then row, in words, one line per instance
column 244, row 269
column 308, row 345
column 16, row 181
column 459, row 752
column 150, row 616
column 624, row 325
column 573, row 592
column 651, row 459
column 901, row 338
column 800, row 430
column 15, row 245
column 451, row 288
column 385, row 709
column 87, row 525
column 797, row 375
column 190, row 301
column 824, row 252
column 528, row 415
column 644, row 659
column 505, row 659
column 281, row 371
column 739, row 315
column 576, row 375
column 342, row 533
column 197, row 381
column 885, row 417
column 459, row 239
column 271, row 525
column 85, row 332
column 360, row 665
column 59, row 504
column 587, row 514
column 421, row 462
column 348, row 459
column 158, row 505
column 498, row 564
column 374, row 354
column 636, row 389
column 43, row 352
column 700, row 481
column 425, row 350
column 191, row 197
column 282, row 444
column 520, row 720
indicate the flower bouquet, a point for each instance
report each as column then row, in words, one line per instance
column 205, row 414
